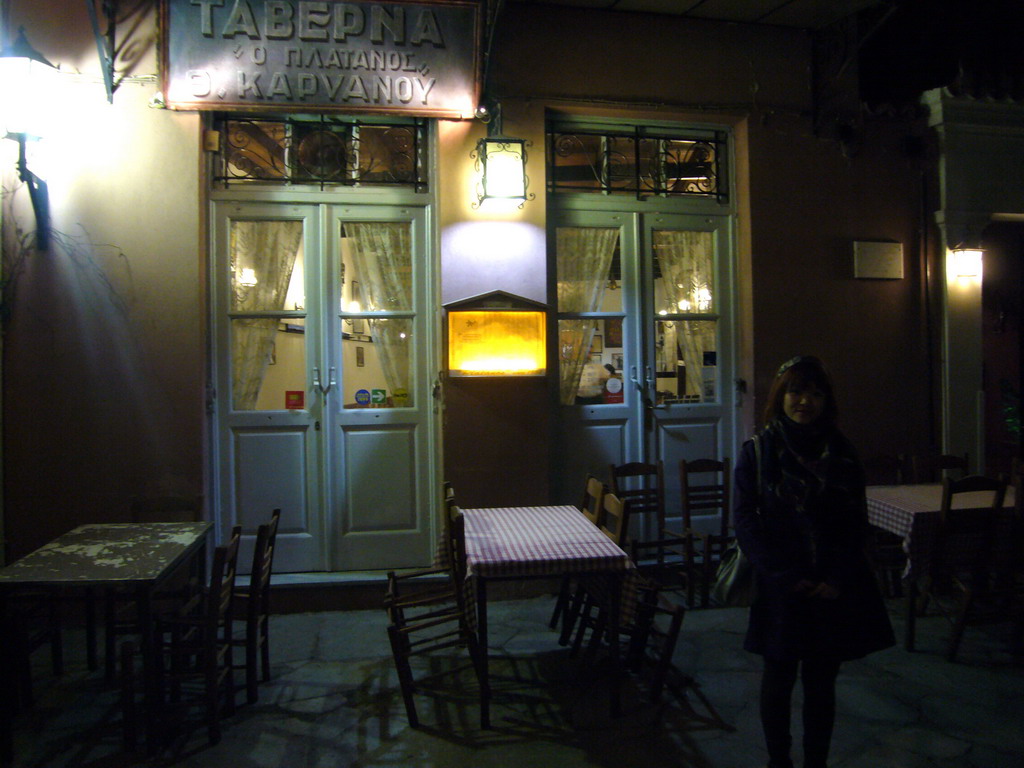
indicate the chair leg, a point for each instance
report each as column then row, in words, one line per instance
column 664, row 660
column 109, row 637
column 957, row 633
column 572, row 611
column 405, row 681
column 252, row 693
column 265, row 646
column 561, row 602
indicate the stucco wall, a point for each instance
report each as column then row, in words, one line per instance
column 808, row 198
column 104, row 353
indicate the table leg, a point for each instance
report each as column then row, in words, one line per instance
column 911, row 618
column 150, row 666
column 7, row 700
column 614, row 619
column 483, row 672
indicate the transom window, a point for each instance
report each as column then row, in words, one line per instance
column 637, row 160
column 322, row 150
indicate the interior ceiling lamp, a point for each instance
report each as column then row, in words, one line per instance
column 500, row 163
column 27, row 80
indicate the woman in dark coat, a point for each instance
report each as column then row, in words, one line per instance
column 801, row 520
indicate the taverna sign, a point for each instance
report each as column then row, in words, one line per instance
column 408, row 58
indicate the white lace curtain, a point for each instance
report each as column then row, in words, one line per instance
column 269, row 249
column 686, row 260
column 584, row 261
column 382, row 254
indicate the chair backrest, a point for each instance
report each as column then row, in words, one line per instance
column 705, row 498
column 965, row 536
column 220, row 596
column 614, row 518
column 884, row 469
column 263, row 563
column 642, row 487
column 932, row 468
column 166, row 509
column 593, row 494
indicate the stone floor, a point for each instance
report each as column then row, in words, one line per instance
column 334, row 703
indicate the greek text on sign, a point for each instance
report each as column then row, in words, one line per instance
column 409, row 58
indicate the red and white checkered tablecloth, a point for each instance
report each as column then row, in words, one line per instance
column 912, row 511
column 510, row 542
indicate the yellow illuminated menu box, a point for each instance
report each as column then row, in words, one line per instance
column 496, row 343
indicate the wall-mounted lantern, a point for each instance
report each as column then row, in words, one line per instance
column 500, row 164
column 496, row 334
column 965, row 262
column 27, row 97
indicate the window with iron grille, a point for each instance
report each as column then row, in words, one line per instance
column 638, row 160
column 320, row 150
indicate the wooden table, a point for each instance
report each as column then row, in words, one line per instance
column 140, row 557
column 912, row 512
column 537, row 542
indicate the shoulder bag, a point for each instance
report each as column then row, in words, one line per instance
column 734, row 581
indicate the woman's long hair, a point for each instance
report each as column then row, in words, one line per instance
column 798, row 373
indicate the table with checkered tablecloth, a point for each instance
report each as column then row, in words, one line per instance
column 912, row 512
column 537, row 542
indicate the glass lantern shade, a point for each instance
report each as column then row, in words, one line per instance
column 29, row 101
column 503, row 162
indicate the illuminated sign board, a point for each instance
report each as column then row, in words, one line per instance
column 411, row 58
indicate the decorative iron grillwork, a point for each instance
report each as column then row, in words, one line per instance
column 641, row 163
column 324, row 151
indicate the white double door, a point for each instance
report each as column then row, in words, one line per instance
column 646, row 344
column 325, row 360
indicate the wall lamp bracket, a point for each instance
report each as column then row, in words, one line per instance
column 37, row 192
column 105, row 41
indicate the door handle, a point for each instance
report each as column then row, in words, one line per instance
column 332, row 380
column 633, row 378
column 316, row 379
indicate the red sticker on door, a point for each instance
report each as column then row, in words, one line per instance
column 294, row 399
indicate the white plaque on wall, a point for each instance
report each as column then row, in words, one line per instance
column 877, row 260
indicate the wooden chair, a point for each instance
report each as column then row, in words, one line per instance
column 433, row 585
column 885, row 469
column 932, row 468
column 964, row 581
column 885, row 547
column 642, row 487
column 418, row 626
column 586, row 607
column 591, row 506
column 195, row 648
column 651, row 637
column 254, row 608
column 704, row 550
column 120, row 618
column 32, row 620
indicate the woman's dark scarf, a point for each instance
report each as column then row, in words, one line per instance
column 806, row 469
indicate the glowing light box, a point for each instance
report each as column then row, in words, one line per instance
column 497, row 334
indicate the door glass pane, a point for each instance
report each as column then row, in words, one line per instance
column 268, row 359
column 590, row 361
column 264, row 257
column 376, row 277
column 376, row 267
column 585, row 256
column 684, row 275
column 686, row 364
column 376, row 361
